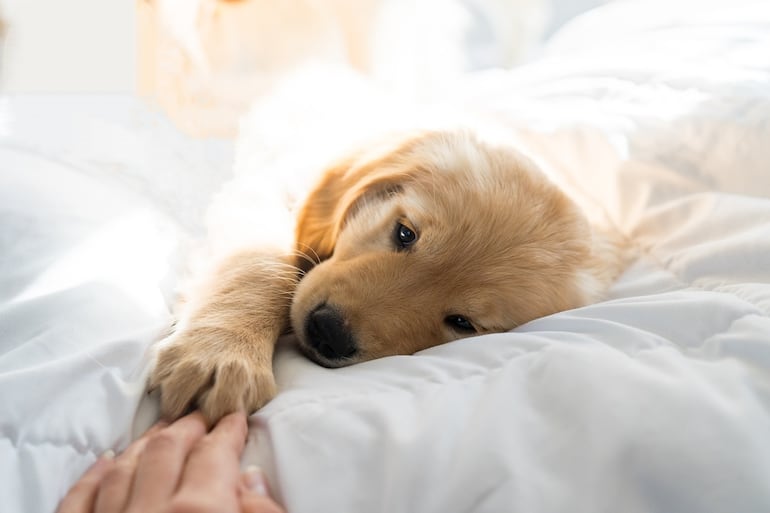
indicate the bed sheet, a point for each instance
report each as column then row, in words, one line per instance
column 657, row 399
column 98, row 196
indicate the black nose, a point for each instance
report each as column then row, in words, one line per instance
column 327, row 333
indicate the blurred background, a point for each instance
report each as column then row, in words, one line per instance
column 72, row 46
column 204, row 61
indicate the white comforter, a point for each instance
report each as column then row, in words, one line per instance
column 657, row 399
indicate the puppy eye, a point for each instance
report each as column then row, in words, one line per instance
column 459, row 323
column 404, row 236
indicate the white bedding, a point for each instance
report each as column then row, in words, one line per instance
column 657, row 399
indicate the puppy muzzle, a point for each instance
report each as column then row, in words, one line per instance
column 328, row 334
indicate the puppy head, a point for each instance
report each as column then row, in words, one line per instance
column 438, row 238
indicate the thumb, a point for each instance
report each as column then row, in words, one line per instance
column 255, row 496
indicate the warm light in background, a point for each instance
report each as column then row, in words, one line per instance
column 204, row 61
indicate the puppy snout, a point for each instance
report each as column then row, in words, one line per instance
column 328, row 334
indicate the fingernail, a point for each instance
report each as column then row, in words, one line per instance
column 255, row 480
column 105, row 459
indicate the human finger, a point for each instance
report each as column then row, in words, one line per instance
column 255, row 503
column 255, row 493
column 161, row 463
column 116, row 485
column 212, row 472
column 82, row 496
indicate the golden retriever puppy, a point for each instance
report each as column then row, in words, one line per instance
column 399, row 247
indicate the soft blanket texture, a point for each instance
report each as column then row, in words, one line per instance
column 657, row 399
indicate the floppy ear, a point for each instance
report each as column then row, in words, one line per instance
column 320, row 215
column 329, row 204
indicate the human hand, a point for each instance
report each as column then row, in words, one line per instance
column 175, row 468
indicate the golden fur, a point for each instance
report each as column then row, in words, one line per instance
column 416, row 243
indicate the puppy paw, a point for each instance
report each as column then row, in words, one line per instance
column 211, row 370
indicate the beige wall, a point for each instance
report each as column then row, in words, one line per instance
column 69, row 46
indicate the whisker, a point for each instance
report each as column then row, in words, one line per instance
column 306, row 258
column 316, row 260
